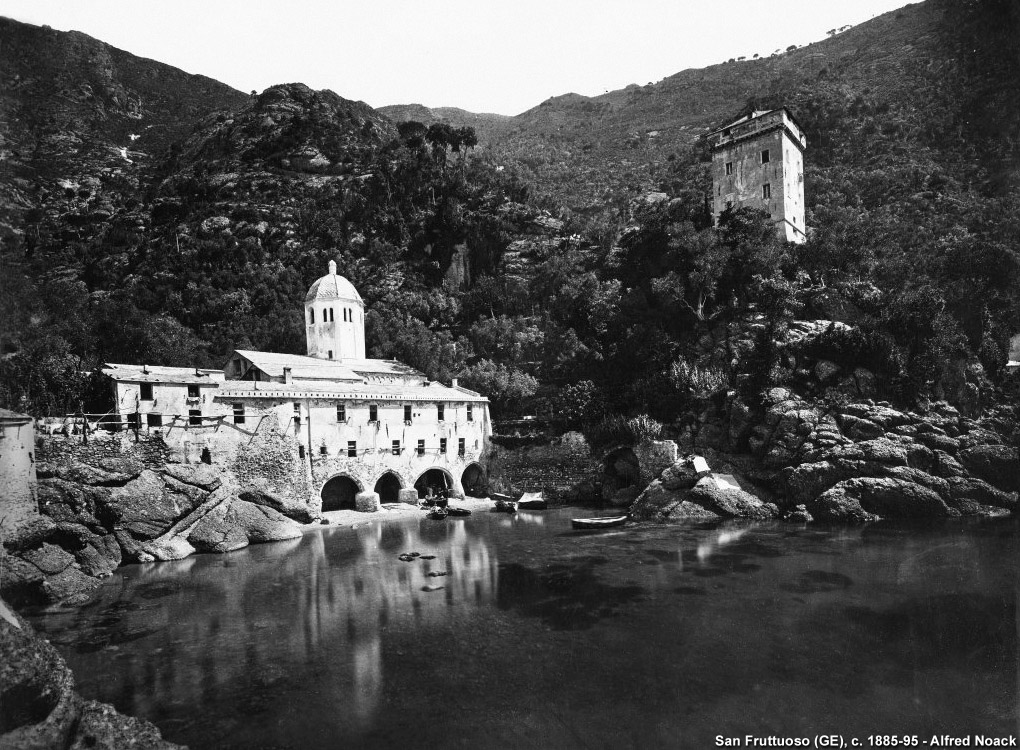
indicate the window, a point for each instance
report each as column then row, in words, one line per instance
column 322, row 450
column 341, row 412
column 311, row 317
column 195, row 416
column 238, row 413
column 441, row 411
column 421, row 447
column 352, row 449
column 765, row 156
column 373, row 413
column 154, row 420
column 470, row 413
column 460, row 447
column 134, row 420
column 407, row 413
column 331, row 315
column 330, row 354
column 766, row 191
column 442, row 445
column 301, row 451
column 297, row 415
column 193, row 391
column 396, row 447
column 729, row 168
column 146, row 391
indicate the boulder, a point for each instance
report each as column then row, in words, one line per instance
column 295, row 511
column 974, row 490
column 261, row 524
column 730, row 502
column 192, row 494
column 125, row 468
column 857, row 428
column 67, row 583
column 799, row 514
column 213, row 533
column 996, row 464
column 884, row 451
column 366, row 502
column 683, row 475
column 144, row 508
column 826, row 371
column 879, row 497
column 806, row 482
column 168, row 548
column 657, row 503
column 101, row 727
column 946, row 466
column 30, row 534
column 49, row 558
column 199, row 475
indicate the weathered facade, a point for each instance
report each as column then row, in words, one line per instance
column 758, row 161
column 317, row 429
column 18, row 504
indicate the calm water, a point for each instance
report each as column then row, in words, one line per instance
column 544, row 637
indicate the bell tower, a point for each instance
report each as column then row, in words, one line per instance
column 334, row 318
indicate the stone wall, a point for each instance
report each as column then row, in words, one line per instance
column 150, row 449
column 555, row 467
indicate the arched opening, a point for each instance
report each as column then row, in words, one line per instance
column 473, row 481
column 432, row 482
column 338, row 494
column 388, row 487
column 621, row 476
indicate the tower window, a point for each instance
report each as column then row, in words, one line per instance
column 765, row 156
column 238, row 413
column 396, row 447
column 729, row 168
column 421, row 447
column 441, row 412
column 146, row 391
column 373, row 413
column 766, row 191
column 193, row 391
column 352, row 449
column 407, row 413
column 331, row 315
column 311, row 317
column 442, row 445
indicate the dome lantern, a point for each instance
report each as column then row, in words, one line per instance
column 334, row 318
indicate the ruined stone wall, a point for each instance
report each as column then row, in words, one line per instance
column 148, row 448
column 555, row 467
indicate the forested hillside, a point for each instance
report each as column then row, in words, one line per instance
column 561, row 261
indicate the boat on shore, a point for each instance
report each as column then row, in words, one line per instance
column 452, row 511
column 503, row 503
column 603, row 522
column 532, row 501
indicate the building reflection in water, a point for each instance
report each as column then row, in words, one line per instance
column 246, row 629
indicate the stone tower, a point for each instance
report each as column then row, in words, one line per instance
column 334, row 318
column 758, row 161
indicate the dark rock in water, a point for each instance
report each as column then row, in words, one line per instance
column 428, row 557
column 996, row 464
column 41, row 709
column 261, row 524
column 731, row 502
column 974, row 491
column 299, row 513
column 799, row 514
column 69, row 582
column 870, row 498
column 707, row 500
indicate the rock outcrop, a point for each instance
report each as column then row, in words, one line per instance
column 41, row 710
column 101, row 512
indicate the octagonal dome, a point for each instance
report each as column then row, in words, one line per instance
column 332, row 286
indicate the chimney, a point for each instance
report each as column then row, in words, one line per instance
column 453, row 383
column 287, row 377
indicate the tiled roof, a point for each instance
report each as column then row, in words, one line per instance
column 159, row 374
column 366, row 391
column 332, row 286
column 382, row 367
column 300, row 366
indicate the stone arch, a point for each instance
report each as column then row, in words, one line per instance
column 474, row 481
column 339, row 491
column 621, row 476
column 434, row 477
column 388, row 487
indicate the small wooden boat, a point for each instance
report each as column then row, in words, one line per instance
column 457, row 511
column 604, row 522
column 504, row 503
column 437, row 514
column 532, row 501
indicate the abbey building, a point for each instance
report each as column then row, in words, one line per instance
column 325, row 428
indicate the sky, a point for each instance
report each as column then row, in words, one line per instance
column 502, row 56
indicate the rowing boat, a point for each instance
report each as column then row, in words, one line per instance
column 604, row 522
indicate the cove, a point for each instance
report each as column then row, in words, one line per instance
column 530, row 634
